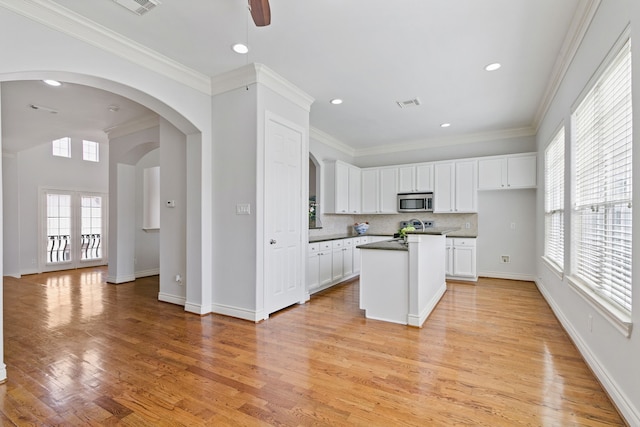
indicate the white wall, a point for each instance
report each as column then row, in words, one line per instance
column 38, row 169
column 506, row 226
column 173, row 220
column 613, row 357
column 448, row 150
column 147, row 250
column 11, row 215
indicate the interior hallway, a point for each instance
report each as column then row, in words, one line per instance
column 81, row 352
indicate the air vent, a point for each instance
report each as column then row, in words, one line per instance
column 409, row 103
column 139, row 7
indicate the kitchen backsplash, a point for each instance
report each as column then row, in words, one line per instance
column 390, row 224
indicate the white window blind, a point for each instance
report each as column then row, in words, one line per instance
column 554, row 201
column 601, row 240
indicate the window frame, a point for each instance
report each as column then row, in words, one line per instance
column 614, row 312
column 553, row 178
column 57, row 148
column 89, row 148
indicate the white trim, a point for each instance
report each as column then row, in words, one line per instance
column 75, row 25
column 260, row 73
column 580, row 23
column 240, row 313
column 446, row 142
column 173, row 299
column 627, row 409
column 330, row 141
column 133, row 126
column 147, row 273
column 121, row 279
column 503, row 275
column 618, row 318
column 197, row 308
column 418, row 321
column 553, row 267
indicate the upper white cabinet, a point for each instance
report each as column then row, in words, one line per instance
column 343, row 188
column 455, row 187
column 415, row 178
column 507, row 172
column 380, row 190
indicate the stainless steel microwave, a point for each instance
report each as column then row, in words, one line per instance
column 415, row 202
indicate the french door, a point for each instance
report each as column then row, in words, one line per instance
column 74, row 230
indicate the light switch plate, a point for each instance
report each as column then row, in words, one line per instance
column 243, row 209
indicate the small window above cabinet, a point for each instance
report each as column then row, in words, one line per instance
column 507, row 172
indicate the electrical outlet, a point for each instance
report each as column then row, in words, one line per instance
column 467, row 225
column 590, row 323
column 505, row 259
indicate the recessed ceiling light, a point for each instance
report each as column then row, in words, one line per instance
column 240, row 48
column 52, row 82
column 445, row 125
column 336, row 101
column 492, row 67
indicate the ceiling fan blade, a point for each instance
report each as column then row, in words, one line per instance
column 260, row 12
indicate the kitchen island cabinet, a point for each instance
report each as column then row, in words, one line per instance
column 402, row 283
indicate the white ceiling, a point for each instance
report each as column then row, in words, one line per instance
column 371, row 53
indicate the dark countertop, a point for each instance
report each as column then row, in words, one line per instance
column 342, row 236
column 436, row 230
column 387, row 245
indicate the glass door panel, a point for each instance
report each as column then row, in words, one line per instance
column 59, row 243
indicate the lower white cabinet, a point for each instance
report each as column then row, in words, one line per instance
column 461, row 258
column 333, row 261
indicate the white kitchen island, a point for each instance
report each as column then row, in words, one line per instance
column 402, row 283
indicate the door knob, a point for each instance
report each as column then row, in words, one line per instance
column 272, row 242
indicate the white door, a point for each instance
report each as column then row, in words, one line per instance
column 74, row 231
column 283, row 216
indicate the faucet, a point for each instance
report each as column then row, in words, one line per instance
column 419, row 220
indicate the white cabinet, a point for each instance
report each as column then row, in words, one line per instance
column 343, row 188
column 507, row 172
column 415, row 178
column 379, row 190
column 337, row 260
column 461, row 258
column 313, row 266
column 347, row 258
column 325, row 275
column 455, row 187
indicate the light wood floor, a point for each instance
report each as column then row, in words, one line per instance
column 81, row 352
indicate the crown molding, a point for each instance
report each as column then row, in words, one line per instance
column 330, row 141
column 580, row 23
column 442, row 142
column 132, row 126
column 260, row 73
column 70, row 23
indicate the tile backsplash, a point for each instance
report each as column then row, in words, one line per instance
column 390, row 224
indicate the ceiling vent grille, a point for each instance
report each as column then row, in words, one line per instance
column 409, row 103
column 139, row 7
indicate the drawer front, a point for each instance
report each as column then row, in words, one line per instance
column 325, row 245
column 338, row 244
column 348, row 242
column 464, row 242
column 314, row 248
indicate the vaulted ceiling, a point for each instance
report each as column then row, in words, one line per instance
column 369, row 53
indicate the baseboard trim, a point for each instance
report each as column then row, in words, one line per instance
column 508, row 276
column 173, row 299
column 630, row 413
column 121, row 279
column 147, row 273
column 240, row 313
column 418, row 321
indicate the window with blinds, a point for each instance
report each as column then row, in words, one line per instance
column 554, row 201
column 601, row 222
